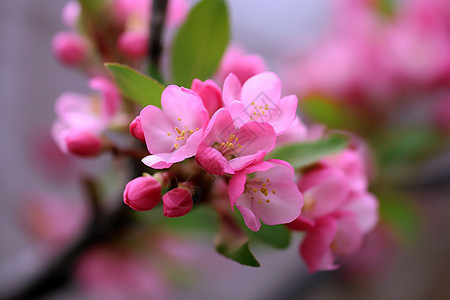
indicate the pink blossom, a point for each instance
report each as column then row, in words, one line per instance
column 82, row 143
column 177, row 11
column 296, row 133
column 80, row 115
column 70, row 48
column 243, row 65
column 227, row 149
column 106, row 273
column 177, row 202
column 210, row 93
column 142, row 193
column 70, row 14
column 133, row 43
column 271, row 196
column 173, row 133
column 136, row 129
column 259, row 99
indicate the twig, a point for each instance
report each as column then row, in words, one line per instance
column 156, row 33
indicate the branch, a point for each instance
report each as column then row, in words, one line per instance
column 156, row 33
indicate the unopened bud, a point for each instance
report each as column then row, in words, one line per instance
column 136, row 129
column 133, row 44
column 142, row 193
column 177, row 202
column 70, row 48
column 83, row 143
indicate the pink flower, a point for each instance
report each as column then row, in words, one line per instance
column 227, row 148
column 136, row 129
column 70, row 14
column 210, row 94
column 270, row 196
column 174, row 133
column 243, row 65
column 133, row 43
column 85, row 116
column 70, row 48
column 142, row 193
column 82, row 143
column 177, row 202
column 259, row 99
column 296, row 133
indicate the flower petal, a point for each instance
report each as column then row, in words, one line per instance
column 159, row 130
column 244, row 204
column 265, row 84
column 231, row 89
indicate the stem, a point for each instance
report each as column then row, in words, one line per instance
column 156, row 33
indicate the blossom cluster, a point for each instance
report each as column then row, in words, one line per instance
column 229, row 132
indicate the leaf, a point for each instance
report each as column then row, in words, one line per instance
column 200, row 43
column 277, row 236
column 406, row 145
column 231, row 242
column 304, row 154
column 386, row 7
column 136, row 86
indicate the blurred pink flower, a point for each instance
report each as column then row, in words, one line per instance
column 142, row 193
column 242, row 65
column 70, row 48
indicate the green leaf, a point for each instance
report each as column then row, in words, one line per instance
column 232, row 243
column 304, row 154
column 400, row 211
column 406, row 145
column 277, row 236
column 200, row 43
column 136, row 86
column 385, row 7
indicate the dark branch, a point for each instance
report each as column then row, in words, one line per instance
column 156, row 35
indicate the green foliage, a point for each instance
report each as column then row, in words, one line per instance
column 136, row 86
column 385, row 7
column 304, row 154
column 277, row 236
column 200, row 42
column 232, row 242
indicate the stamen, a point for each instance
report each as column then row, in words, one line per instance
column 178, row 130
column 179, row 119
column 274, row 192
column 267, row 201
column 176, row 146
column 168, row 133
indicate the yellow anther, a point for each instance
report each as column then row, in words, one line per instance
column 259, row 201
column 239, row 145
column 176, row 146
column 178, row 138
column 264, row 184
column 168, row 133
column 178, row 130
column 274, row 192
column 254, row 113
column 179, row 119
column 268, row 180
column 197, row 129
column 236, row 139
column 191, row 131
column 231, row 137
column 266, row 108
column 253, row 103
column 254, row 190
column 267, row 201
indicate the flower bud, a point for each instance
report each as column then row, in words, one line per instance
column 70, row 48
column 136, row 129
column 70, row 14
column 142, row 193
column 133, row 44
column 83, row 143
column 177, row 202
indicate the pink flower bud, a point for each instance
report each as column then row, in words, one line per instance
column 83, row 143
column 70, row 13
column 142, row 193
column 136, row 129
column 70, row 48
column 133, row 44
column 177, row 202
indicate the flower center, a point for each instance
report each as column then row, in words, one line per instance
column 257, row 190
column 259, row 112
column 229, row 148
column 181, row 135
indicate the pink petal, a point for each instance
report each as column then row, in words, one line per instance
column 156, row 126
column 110, row 95
column 256, row 136
column 219, row 127
column 365, row 207
column 231, row 89
column 266, row 83
column 184, row 108
column 212, row 161
column 281, row 120
column 315, row 248
column 296, row 132
column 244, row 204
column 156, row 162
column 348, row 236
column 242, row 162
column 236, row 187
column 210, row 93
column 324, row 191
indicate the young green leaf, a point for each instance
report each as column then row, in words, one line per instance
column 200, row 42
column 304, row 154
column 232, row 242
column 136, row 86
column 277, row 236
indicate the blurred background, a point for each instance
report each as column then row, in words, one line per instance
column 379, row 70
